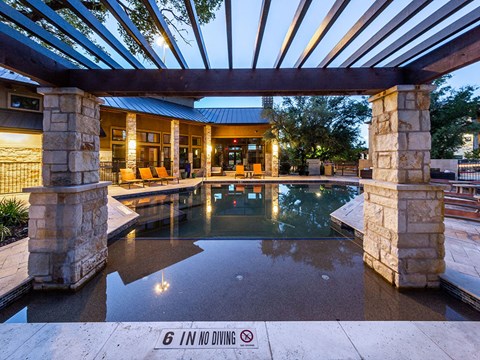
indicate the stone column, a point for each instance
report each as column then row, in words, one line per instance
column 175, row 146
column 403, row 213
column 275, row 150
column 68, row 215
column 131, row 126
column 208, row 149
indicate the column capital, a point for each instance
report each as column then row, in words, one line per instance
column 68, row 91
column 402, row 88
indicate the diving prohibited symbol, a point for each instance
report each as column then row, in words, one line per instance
column 246, row 336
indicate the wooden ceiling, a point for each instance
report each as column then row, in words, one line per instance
column 456, row 45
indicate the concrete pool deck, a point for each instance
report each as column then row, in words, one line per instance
column 276, row 340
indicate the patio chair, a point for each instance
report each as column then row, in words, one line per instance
column 127, row 176
column 240, row 171
column 257, row 171
column 162, row 173
column 146, row 175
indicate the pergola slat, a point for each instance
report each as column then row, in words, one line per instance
column 461, row 51
column 292, row 30
column 162, row 26
column 192, row 14
column 431, row 21
column 82, row 12
column 442, row 35
column 401, row 18
column 36, row 30
column 119, row 14
column 61, row 24
column 228, row 21
column 237, row 82
column 322, row 30
column 261, row 30
column 30, row 58
column 371, row 14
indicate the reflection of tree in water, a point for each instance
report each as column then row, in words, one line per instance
column 321, row 254
column 310, row 210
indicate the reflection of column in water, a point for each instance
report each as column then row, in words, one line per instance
column 130, row 246
column 174, row 209
column 208, row 208
column 275, row 190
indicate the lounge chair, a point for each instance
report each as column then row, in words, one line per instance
column 146, row 175
column 162, row 173
column 257, row 171
column 128, row 177
column 240, row 171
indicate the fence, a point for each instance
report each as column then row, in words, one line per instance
column 346, row 169
column 14, row 176
column 110, row 170
column 469, row 169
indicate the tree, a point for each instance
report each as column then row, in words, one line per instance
column 174, row 12
column 323, row 127
column 453, row 113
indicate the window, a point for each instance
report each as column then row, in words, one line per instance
column 183, row 140
column 166, row 138
column 119, row 135
column 197, row 158
column 22, row 102
column 148, row 137
column 196, row 141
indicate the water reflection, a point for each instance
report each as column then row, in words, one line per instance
column 214, row 280
column 228, row 211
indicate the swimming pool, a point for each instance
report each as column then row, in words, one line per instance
column 151, row 276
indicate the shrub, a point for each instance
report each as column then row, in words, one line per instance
column 13, row 212
column 4, row 232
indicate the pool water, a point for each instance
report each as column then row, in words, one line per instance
column 150, row 278
column 237, row 211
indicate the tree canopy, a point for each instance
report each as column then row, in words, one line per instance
column 323, row 127
column 453, row 114
column 174, row 12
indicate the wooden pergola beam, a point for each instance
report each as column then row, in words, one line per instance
column 292, row 30
column 261, row 30
column 192, row 15
column 460, row 52
column 228, row 23
column 237, row 82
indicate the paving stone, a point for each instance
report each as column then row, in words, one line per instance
column 13, row 336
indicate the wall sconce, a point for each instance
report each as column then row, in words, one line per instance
column 209, row 149
column 275, row 209
column 275, row 148
column 132, row 144
column 209, row 209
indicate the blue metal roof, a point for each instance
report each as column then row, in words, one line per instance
column 231, row 116
column 13, row 76
column 154, row 107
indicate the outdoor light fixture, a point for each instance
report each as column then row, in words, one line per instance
column 209, row 149
column 209, row 209
column 275, row 148
column 275, row 209
column 132, row 144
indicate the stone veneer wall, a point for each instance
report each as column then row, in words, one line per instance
column 131, row 141
column 208, row 145
column 175, row 147
column 403, row 213
column 21, row 168
column 68, row 215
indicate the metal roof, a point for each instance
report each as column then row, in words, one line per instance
column 229, row 116
column 13, row 76
column 154, row 107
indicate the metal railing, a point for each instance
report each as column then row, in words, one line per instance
column 14, row 176
column 346, row 169
column 469, row 169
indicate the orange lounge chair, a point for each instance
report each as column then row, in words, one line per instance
column 127, row 176
column 146, row 175
column 257, row 171
column 240, row 171
column 162, row 173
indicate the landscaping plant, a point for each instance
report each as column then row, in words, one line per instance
column 13, row 216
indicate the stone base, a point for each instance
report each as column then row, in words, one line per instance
column 404, row 240
column 68, row 235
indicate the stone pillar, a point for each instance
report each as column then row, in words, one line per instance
column 208, row 149
column 275, row 150
column 403, row 213
column 175, row 147
column 68, row 215
column 131, row 126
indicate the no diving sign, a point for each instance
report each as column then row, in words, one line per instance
column 207, row 339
